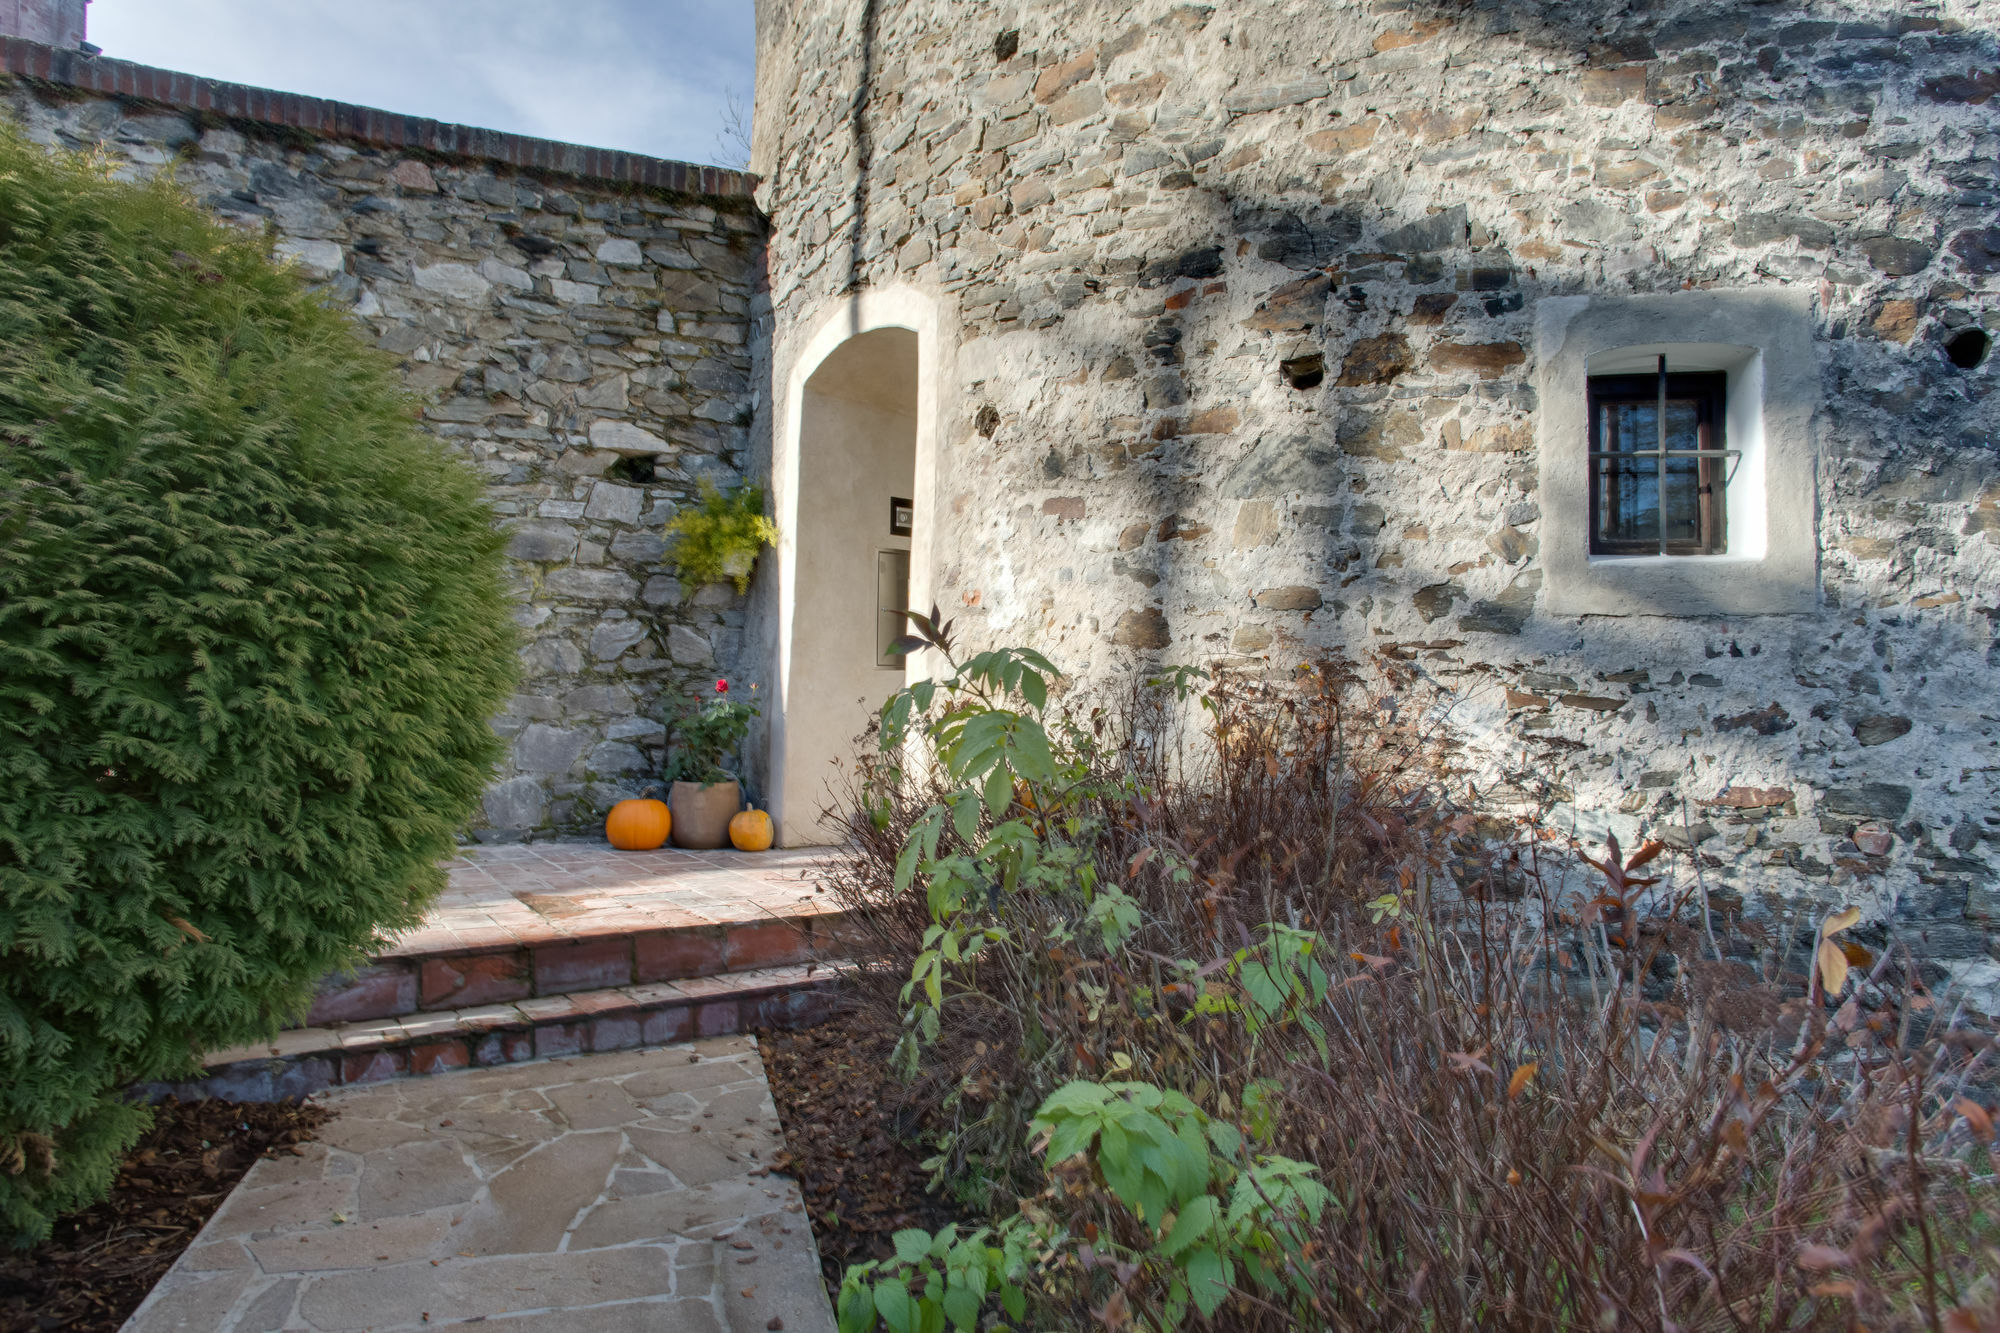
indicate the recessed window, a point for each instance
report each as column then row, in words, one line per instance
column 1659, row 463
column 1675, row 433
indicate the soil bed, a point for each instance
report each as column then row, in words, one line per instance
column 100, row 1263
column 847, row 1123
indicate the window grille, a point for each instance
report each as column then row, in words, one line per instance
column 1659, row 463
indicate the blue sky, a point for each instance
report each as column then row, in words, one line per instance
column 650, row 76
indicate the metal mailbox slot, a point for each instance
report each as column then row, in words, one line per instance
column 892, row 597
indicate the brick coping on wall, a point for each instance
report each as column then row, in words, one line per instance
column 360, row 124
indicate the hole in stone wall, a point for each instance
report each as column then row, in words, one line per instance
column 531, row 245
column 1303, row 372
column 636, row 469
column 1006, row 44
column 987, row 421
column 1967, row 348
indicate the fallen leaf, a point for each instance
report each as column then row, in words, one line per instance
column 1832, row 967
column 1520, row 1079
column 1977, row 1116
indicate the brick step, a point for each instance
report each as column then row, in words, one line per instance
column 436, row 973
column 306, row 1060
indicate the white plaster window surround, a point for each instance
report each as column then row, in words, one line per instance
column 1762, row 339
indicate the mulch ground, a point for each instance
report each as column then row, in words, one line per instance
column 100, row 1263
column 847, row 1126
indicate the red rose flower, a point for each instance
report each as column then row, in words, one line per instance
column 722, row 687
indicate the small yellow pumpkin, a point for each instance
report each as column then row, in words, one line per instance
column 638, row 826
column 750, row 831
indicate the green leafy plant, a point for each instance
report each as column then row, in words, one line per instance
column 1209, row 1211
column 252, row 626
column 705, row 736
column 1016, row 818
column 1283, row 981
column 939, row 1280
column 722, row 536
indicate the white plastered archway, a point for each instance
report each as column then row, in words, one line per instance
column 799, row 761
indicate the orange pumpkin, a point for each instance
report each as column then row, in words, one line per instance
column 638, row 826
column 751, row 831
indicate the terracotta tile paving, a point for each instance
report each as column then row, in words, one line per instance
column 543, row 893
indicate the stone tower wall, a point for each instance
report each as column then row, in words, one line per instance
column 61, row 23
column 1132, row 216
column 581, row 331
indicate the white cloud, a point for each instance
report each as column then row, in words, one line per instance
column 649, row 76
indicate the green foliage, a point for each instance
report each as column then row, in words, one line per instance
column 252, row 625
column 1150, row 1141
column 1283, row 982
column 704, row 737
column 722, row 536
column 1208, row 1212
column 939, row 1281
column 1021, row 818
column 1017, row 813
column 1212, row 1210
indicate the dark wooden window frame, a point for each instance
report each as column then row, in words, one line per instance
column 1710, row 391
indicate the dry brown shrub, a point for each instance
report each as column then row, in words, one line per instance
column 1546, row 1092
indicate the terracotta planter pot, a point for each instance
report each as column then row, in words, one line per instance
column 702, row 814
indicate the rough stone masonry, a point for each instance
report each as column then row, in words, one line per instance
column 1244, row 299
column 585, row 340
column 1244, row 302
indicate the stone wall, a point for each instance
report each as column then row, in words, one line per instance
column 1245, row 297
column 63, row 23
column 586, row 343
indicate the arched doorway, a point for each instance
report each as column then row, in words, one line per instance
column 854, row 517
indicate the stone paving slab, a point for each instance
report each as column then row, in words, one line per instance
column 538, row 893
column 609, row 1193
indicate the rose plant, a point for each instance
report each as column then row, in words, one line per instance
column 706, row 737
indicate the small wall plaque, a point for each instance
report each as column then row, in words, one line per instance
column 902, row 516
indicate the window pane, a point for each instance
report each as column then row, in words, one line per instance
column 1642, row 507
column 1684, row 500
column 1628, row 504
column 1683, row 423
column 1626, row 426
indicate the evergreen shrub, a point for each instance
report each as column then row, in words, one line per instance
column 252, row 626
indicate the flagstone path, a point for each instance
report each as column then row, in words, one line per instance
column 612, row 1193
